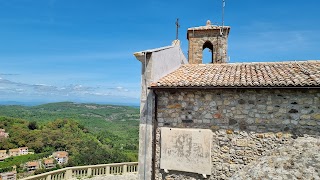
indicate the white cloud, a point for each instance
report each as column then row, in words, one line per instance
column 7, row 74
column 45, row 92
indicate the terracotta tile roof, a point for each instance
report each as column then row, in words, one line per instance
column 60, row 154
column 48, row 161
column 270, row 74
column 33, row 163
column 14, row 150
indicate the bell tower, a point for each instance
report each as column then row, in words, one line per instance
column 213, row 37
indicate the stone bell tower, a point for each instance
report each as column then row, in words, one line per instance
column 213, row 37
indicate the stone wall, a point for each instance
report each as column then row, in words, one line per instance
column 298, row 160
column 245, row 124
column 198, row 38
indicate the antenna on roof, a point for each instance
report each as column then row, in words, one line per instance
column 177, row 28
column 223, row 5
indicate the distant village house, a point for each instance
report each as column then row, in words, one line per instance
column 61, row 157
column 49, row 163
column 14, row 152
column 32, row 166
column 3, row 133
column 23, row 150
column 8, row 176
column 3, row 155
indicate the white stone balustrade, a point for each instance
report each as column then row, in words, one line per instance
column 87, row 171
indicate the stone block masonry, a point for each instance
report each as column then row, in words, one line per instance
column 246, row 124
column 297, row 160
column 210, row 36
column 197, row 41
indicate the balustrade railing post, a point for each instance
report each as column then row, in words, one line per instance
column 124, row 168
column 107, row 170
column 48, row 177
column 68, row 174
column 89, row 173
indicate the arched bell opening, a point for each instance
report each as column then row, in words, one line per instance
column 208, row 55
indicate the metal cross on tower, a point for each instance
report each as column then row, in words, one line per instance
column 177, row 28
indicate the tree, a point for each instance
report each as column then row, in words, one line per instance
column 33, row 125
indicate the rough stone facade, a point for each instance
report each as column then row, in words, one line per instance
column 214, row 39
column 246, row 124
column 298, row 160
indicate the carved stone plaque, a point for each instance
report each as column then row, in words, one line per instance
column 186, row 150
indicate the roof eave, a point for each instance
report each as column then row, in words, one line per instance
column 141, row 53
column 224, row 27
column 231, row 87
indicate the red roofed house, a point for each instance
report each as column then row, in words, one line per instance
column 33, row 165
column 210, row 120
column 61, row 157
column 8, row 176
column 49, row 163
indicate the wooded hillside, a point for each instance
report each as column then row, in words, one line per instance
column 92, row 133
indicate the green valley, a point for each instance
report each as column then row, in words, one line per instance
column 91, row 133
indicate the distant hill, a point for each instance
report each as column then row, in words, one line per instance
column 93, row 116
column 36, row 103
column 20, row 103
column 116, row 126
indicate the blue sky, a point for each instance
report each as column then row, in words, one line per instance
column 81, row 50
